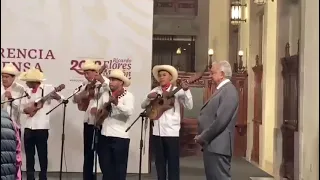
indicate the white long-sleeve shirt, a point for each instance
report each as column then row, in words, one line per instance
column 168, row 125
column 116, row 124
column 16, row 90
column 40, row 120
column 88, row 118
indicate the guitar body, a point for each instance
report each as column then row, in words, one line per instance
column 84, row 104
column 158, row 106
column 102, row 114
column 86, row 97
column 33, row 108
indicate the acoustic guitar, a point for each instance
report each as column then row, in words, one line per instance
column 162, row 103
column 106, row 109
column 88, row 93
column 34, row 107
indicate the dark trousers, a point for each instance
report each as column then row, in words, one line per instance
column 166, row 151
column 36, row 139
column 113, row 157
column 88, row 152
column 216, row 166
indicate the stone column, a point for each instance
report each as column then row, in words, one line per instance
column 219, row 22
column 309, row 91
column 269, row 85
column 246, row 35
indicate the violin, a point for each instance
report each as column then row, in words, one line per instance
column 88, row 93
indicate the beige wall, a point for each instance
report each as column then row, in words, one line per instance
column 281, row 25
column 309, row 91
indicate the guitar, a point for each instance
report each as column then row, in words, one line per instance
column 34, row 107
column 161, row 104
column 88, row 93
column 106, row 109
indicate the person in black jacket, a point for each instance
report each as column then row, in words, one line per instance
column 10, row 149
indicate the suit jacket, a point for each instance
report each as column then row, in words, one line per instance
column 217, row 120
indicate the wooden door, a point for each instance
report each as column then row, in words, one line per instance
column 257, row 115
column 189, row 122
column 290, row 74
column 240, row 81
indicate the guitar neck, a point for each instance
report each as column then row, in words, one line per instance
column 172, row 93
column 47, row 97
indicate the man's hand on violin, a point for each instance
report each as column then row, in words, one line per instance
column 185, row 85
column 114, row 100
column 152, row 95
column 7, row 94
column 99, row 78
column 93, row 111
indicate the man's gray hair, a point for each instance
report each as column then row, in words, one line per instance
column 225, row 67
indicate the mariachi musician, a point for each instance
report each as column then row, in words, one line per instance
column 10, row 89
column 36, row 132
column 86, row 99
column 166, row 129
column 113, row 147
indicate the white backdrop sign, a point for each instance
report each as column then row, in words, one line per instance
column 56, row 36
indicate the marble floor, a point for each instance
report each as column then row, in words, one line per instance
column 191, row 169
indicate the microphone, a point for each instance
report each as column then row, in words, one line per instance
column 27, row 95
column 79, row 87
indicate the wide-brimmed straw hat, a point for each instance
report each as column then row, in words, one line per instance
column 90, row 65
column 118, row 74
column 170, row 69
column 10, row 69
column 32, row 75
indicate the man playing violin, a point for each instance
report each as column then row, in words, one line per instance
column 89, row 94
column 37, row 126
column 166, row 128
column 113, row 145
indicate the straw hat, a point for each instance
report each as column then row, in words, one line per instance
column 90, row 65
column 10, row 69
column 32, row 75
column 170, row 69
column 118, row 74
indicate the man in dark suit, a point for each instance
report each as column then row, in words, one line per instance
column 217, row 121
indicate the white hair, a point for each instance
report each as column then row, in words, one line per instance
column 224, row 67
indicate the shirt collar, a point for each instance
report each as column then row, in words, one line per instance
column 223, row 83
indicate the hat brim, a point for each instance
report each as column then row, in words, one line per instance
column 124, row 79
column 170, row 69
column 14, row 73
column 23, row 77
column 32, row 80
column 91, row 67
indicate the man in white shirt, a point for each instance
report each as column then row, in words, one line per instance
column 91, row 74
column 11, row 90
column 37, row 127
column 166, row 129
column 113, row 147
